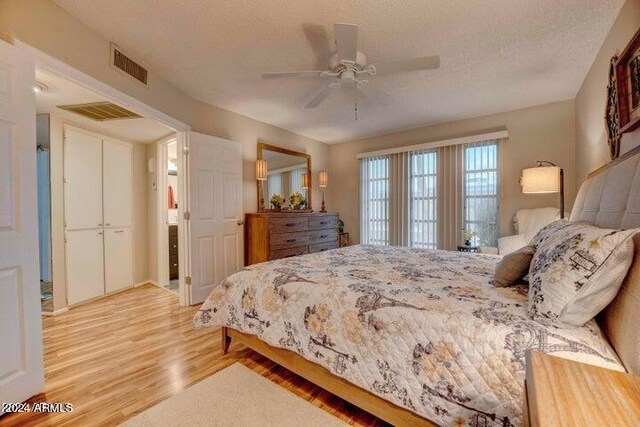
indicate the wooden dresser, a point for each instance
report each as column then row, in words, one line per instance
column 275, row 235
column 561, row 392
column 173, row 252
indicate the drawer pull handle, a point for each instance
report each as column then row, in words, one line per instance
column 290, row 224
column 323, row 222
column 289, row 256
column 324, row 236
column 291, row 240
column 119, row 231
column 175, row 265
column 174, row 246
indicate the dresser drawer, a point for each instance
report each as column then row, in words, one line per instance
column 321, row 236
column 288, row 240
column 321, row 247
column 289, row 252
column 285, row 225
column 323, row 222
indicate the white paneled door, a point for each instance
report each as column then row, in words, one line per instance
column 215, row 206
column 83, row 180
column 98, row 196
column 85, row 265
column 117, row 183
column 118, row 258
column 21, row 364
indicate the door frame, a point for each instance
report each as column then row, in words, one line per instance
column 54, row 65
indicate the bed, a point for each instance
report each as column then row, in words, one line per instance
column 420, row 337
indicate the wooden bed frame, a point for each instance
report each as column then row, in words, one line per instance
column 398, row 416
column 321, row 377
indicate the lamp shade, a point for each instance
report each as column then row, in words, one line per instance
column 323, row 179
column 305, row 180
column 261, row 170
column 541, row 179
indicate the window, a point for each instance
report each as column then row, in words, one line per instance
column 296, row 180
column 274, row 185
column 374, row 185
column 421, row 196
column 423, row 206
column 481, row 191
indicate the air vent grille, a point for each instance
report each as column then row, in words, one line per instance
column 100, row 111
column 128, row 65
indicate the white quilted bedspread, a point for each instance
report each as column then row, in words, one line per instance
column 423, row 329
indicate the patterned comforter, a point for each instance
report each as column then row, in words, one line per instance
column 423, row 329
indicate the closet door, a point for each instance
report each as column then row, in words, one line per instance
column 83, row 180
column 117, row 183
column 85, row 265
column 118, row 258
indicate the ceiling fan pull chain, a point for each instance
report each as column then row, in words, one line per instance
column 355, row 106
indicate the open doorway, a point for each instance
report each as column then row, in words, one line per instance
column 43, row 169
column 169, row 212
column 94, row 186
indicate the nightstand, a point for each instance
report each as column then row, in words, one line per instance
column 561, row 392
column 465, row 248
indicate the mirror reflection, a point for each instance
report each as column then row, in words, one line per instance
column 284, row 176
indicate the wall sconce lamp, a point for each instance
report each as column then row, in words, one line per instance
column 544, row 179
column 323, row 181
column 261, row 177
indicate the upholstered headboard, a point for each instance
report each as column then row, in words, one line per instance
column 610, row 198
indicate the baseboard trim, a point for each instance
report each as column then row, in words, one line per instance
column 148, row 282
column 55, row 312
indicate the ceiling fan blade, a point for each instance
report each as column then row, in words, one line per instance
column 346, row 41
column 321, row 96
column 401, row 65
column 289, row 74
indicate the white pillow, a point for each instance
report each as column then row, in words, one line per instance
column 509, row 244
column 576, row 271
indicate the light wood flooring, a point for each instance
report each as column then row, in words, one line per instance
column 124, row 353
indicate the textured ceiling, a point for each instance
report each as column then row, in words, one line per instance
column 64, row 92
column 496, row 55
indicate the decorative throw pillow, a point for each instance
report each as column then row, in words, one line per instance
column 513, row 267
column 576, row 271
column 550, row 229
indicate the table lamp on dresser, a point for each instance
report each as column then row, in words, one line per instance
column 261, row 177
column 323, row 181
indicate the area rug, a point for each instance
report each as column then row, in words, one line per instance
column 235, row 396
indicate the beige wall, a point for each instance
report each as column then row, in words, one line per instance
column 226, row 124
column 140, row 226
column 50, row 29
column 152, row 203
column 544, row 132
column 591, row 140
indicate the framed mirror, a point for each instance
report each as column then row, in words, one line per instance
column 285, row 174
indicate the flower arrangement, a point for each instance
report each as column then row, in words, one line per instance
column 297, row 200
column 277, row 201
column 467, row 235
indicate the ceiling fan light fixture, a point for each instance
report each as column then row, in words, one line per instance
column 348, row 67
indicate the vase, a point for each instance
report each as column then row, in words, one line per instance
column 467, row 242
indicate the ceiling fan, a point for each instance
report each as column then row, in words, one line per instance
column 348, row 66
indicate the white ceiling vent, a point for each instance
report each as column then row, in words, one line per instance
column 123, row 63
